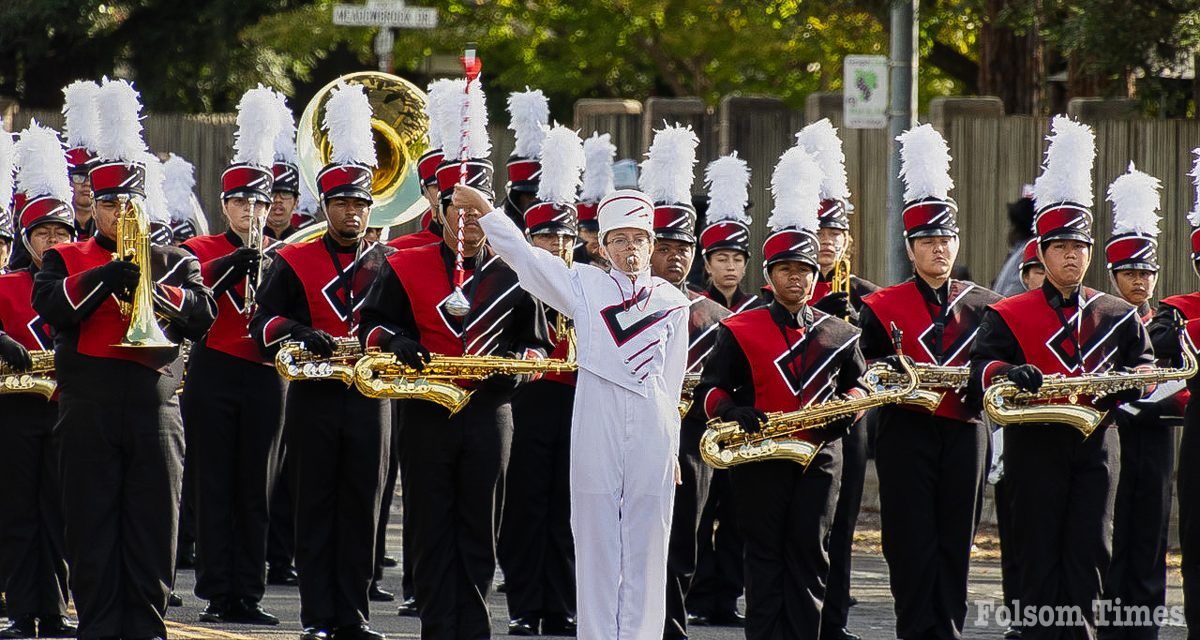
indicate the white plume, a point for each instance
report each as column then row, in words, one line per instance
column 156, row 196
column 178, row 187
column 796, row 188
column 1135, row 201
column 667, row 172
column 450, row 121
column 41, row 165
column 258, row 125
column 119, row 107
column 924, row 163
column 1067, row 171
column 529, row 113
column 598, row 153
column 821, row 140
column 285, row 140
column 562, row 165
column 348, row 121
column 436, row 96
column 1194, row 214
column 8, row 168
column 81, row 119
column 728, row 179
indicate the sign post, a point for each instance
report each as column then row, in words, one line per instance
column 865, row 92
column 387, row 15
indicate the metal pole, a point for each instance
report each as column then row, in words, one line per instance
column 902, row 115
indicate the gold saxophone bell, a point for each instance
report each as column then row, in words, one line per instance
column 400, row 125
column 133, row 243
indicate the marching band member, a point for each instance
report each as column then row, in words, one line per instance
column 285, row 186
column 598, row 154
column 31, row 540
column 232, row 399
column 121, row 440
column 1033, row 272
column 632, row 335
column 667, row 179
column 1063, row 483
column 536, row 549
column 187, row 218
column 1142, row 511
column 931, row 466
column 81, row 129
column 725, row 240
column 781, row 358
column 337, row 439
column 454, row 463
column 1164, row 332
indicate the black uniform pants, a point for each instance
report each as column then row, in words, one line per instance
column 121, row 466
column 1188, row 479
column 454, row 466
column 690, row 497
column 281, row 532
column 931, row 473
column 338, row 443
column 785, row 513
column 389, row 488
column 1063, row 489
column 1010, row 565
column 31, row 545
column 717, row 582
column 1141, row 518
column 841, row 538
column 536, row 548
column 234, row 412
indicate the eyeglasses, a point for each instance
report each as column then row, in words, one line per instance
column 621, row 242
column 79, row 178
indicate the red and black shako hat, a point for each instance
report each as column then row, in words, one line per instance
column 449, row 107
column 1135, row 200
column 821, row 140
column 562, row 162
column 925, row 167
column 352, row 161
column 796, row 189
column 598, row 155
column 42, row 180
column 1029, row 255
column 728, row 180
column 1062, row 194
column 285, row 169
column 529, row 117
column 259, row 122
column 120, row 170
column 667, row 175
column 81, row 125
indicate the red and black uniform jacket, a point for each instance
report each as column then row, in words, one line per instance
column 409, row 299
column 741, row 301
column 859, row 289
column 1164, row 335
column 278, row 235
column 1086, row 332
column 18, row 320
column 704, row 319
column 69, row 295
column 772, row 360
column 230, row 333
column 318, row 284
column 938, row 328
column 429, row 234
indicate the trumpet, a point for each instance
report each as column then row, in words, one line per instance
column 133, row 243
column 1007, row 404
column 786, row 435
column 933, row 381
column 37, row 379
column 294, row 362
column 379, row 375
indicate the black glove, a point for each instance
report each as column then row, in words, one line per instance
column 1117, row 398
column 121, row 277
column 501, row 383
column 893, row 362
column 840, row 427
column 838, row 305
column 320, row 343
column 750, row 419
column 241, row 262
column 13, row 354
column 409, row 352
column 1027, row 377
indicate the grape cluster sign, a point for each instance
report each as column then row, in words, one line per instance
column 865, row 92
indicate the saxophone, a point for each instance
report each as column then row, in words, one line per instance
column 933, row 381
column 294, row 362
column 379, row 375
column 724, row 444
column 1006, row 404
column 37, row 379
column 690, row 382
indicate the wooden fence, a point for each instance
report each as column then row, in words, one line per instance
column 992, row 158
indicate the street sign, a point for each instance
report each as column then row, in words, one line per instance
column 392, row 14
column 865, row 92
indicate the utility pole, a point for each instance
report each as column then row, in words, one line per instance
column 902, row 115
